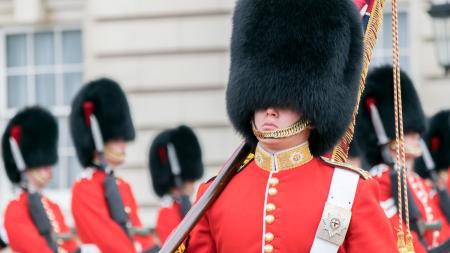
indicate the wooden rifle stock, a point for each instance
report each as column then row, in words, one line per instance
column 207, row 199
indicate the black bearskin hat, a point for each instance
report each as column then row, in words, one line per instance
column 437, row 139
column 299, row 54
column 380, row 90
column 110, row 106
column 189, row 155
column 36, row 132
column 353, row 151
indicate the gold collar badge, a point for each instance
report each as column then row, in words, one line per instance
column 283, row 160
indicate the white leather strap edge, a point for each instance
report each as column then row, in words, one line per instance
column 342, row 193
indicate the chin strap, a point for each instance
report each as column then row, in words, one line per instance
column 294, row 129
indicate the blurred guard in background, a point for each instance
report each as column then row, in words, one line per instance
column 354, row 156
column 33, row 223
column 175, row 163
column 375, row 136
column 103, row 205
column 437, row 140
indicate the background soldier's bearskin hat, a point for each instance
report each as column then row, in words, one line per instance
column 437, row 139
column 36, row 132
column 353, row 150
column 189, row 155
column 301, row 54
column 110, row 107
column 380, row 90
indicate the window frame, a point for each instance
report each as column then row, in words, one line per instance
column 62, row 192
column 383, row 52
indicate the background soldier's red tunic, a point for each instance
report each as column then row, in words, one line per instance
column 430, row 210
column 168, row 219
column 23, row 235
column 235, row 221
column 93, row 221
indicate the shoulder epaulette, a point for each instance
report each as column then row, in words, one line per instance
column 364, row 174
column 247, row 160
column 181, row 248
column 86, row 174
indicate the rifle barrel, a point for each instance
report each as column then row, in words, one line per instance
column 207, row 199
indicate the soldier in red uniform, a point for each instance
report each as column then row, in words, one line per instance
column 378, row 100
column 34, row 223
column 103, row 206
column 295, row 67
column 175, row 164
column 437, row 139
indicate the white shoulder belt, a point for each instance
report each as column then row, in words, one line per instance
column 337, row 213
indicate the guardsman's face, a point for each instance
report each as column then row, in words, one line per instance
column 412, row 146
column 274, row 118
column 443, row 176
column 39, row 177
column 115, row 152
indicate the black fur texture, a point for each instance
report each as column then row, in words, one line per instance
column 353, row 151
column 38, row 140
column 437, row 139
column 112, row 112
column 380, row 86
column 189, row 154
column 300, row 54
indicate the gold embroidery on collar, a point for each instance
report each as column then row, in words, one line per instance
column 283, row 160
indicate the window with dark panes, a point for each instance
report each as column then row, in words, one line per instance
column 45, row 68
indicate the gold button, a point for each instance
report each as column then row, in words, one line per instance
column 273, row 181
column 270, row 219
column 269, row 237
column 273, row 191
column 270, row 207
column 268, row 248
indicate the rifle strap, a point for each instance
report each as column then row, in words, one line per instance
column 40, row 219
column 114, row 200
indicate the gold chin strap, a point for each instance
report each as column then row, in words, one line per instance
column 294, row 129
column 38, row 176
column 114, row 154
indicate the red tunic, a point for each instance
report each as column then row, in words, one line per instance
column 426, row 201
column 22, row 233
column 168, row 219
column 93, row 221
column 294, row 200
